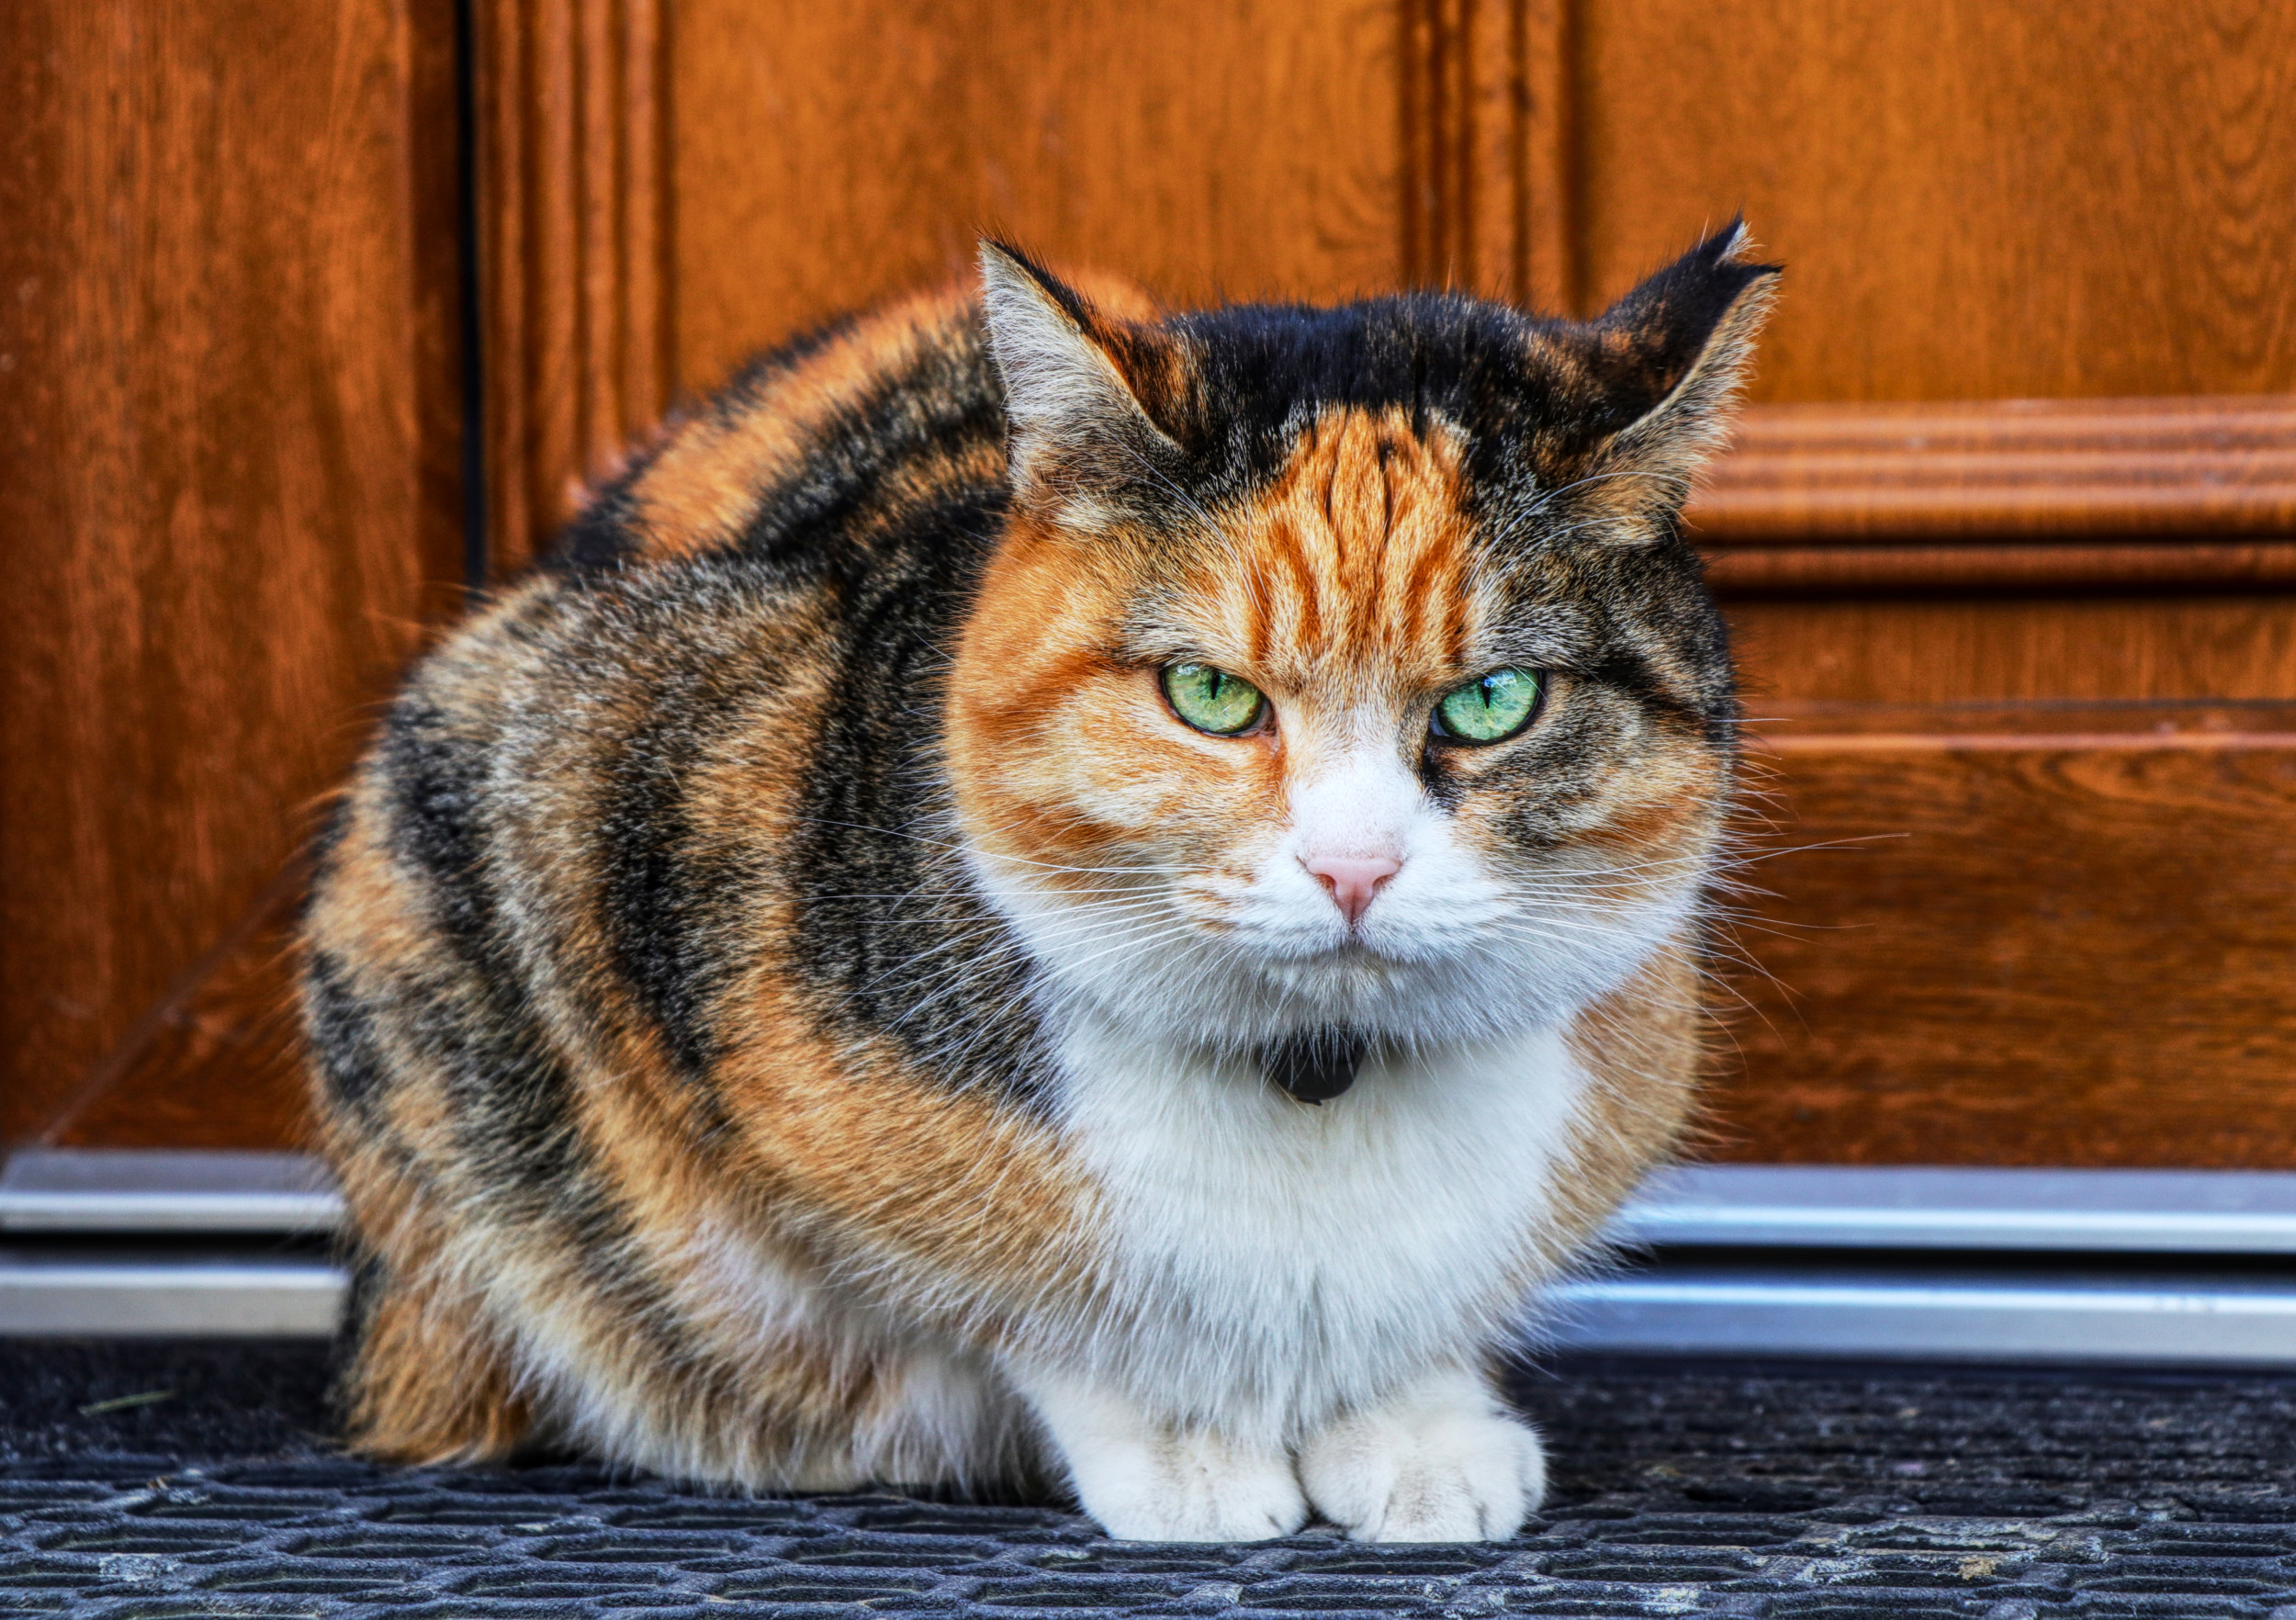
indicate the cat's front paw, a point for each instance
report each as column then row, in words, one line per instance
column 1444, row 1463
column 1189, row 1487
column 1144, row 1481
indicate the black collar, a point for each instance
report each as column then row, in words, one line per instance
column 1315, row 1065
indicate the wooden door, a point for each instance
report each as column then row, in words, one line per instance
column 2007, row 539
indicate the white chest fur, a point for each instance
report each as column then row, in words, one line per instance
column 1281, row 1261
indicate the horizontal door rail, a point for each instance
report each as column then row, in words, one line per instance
column 1999, row 469
column 170, row 1298
column 1827, row 1207
column 162, row 1192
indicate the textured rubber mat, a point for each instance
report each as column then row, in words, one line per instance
column 158, row 1481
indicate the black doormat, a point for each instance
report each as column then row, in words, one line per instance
column 157, row 1480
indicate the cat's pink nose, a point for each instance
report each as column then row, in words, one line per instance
column 1355, row 880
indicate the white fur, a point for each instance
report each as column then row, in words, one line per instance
column 1283, row 1262
column 1441, row 1462
column 1147, row 1479
column 1287, row 1270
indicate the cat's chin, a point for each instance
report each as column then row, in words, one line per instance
column 1415, row 1002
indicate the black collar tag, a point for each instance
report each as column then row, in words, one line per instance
column 1315, row 1065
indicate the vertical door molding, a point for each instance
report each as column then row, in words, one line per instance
column 573, row 231
column 1485, row 98
column 1550, row 249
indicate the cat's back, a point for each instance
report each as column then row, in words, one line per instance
column 569, row 836
column 814, row 450
column 859, row 439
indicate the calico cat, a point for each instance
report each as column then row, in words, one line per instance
column 1042, row 891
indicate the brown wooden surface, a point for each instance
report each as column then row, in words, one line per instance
column 2104, row 564
column 229, row 478
column 2002, row 470
column 825, row 156
column 573, row 221
column 2021, row 937
column 228, row 353
column 1974, row 201
column 2040, row 650
column 1468, row 72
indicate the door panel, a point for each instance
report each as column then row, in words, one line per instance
column 229, row 489
column 1889, row 648
column 1977, row 201
column 2025, row 935
column 828, row 155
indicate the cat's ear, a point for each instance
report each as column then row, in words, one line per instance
column 1073, row 412
column 1670, row 359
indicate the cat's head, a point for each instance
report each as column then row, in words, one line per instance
column 1344, row 666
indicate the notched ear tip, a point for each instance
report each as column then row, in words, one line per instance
column 1709, row 279
column 1734, row 247
column 1685, row 339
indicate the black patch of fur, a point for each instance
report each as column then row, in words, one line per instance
column 600, row 536
column 436, row 778
column 514, row 1103
column 670, row 938
column 840, row 517
column 343, row 1042
column 890, row 930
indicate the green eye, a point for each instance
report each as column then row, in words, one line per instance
column 1488, row 709
column 1212, row 699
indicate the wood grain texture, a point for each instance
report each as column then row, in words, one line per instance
column 2005, row 945
column 573, row 218
column 1974, row 200
column 2100, row 566
column 230, row 484
column 825, row 156
column 216, row 1060
column 2007, row 649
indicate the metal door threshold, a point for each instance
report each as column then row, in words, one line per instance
column 1731, row 1206
column 2133, row 1267
column 1875, row 1315
column 50, row 1296
column 147, row 1192
column 1984, row 1210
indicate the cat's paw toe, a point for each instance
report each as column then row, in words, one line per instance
column 1194, row 1487
column 1412, row 1474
